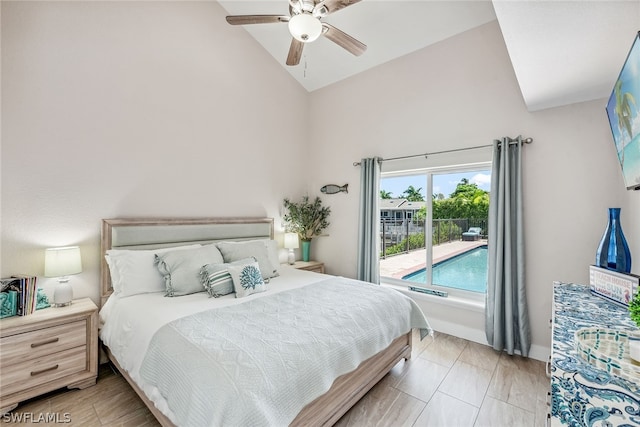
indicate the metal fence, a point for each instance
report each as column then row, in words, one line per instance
column 403, row 236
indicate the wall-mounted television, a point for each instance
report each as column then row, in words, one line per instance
column 623, row 110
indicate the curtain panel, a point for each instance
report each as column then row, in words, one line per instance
column 369, row 221
column 507, row 318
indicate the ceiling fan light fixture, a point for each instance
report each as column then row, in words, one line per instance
column 304, row 27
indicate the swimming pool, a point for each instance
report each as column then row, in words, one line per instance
column 466, row 271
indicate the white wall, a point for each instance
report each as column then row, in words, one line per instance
column 114, row 109
column 462, row 92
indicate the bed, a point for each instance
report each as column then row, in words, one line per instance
column 290, row 364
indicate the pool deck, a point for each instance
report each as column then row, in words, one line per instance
column 396, row 266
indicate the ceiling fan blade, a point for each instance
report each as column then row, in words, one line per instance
column 295, row 52
column 256, row 19
column 294, row 7
column 344, row 40
column 335, row 5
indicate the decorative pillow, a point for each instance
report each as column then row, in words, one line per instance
column 215, row 278
column 181, row 269
column 133, row 271
column 247, row 279
column 234, row 251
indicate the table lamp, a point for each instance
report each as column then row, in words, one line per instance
column 291, row 243
column 60, row 263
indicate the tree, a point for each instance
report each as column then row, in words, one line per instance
column 467, row 201
column 413, row 195
column 464, row 188
column 385, row 194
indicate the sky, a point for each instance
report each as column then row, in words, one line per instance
column 444, row 183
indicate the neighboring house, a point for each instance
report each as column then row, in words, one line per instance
column 396, row 216
column 399, row 209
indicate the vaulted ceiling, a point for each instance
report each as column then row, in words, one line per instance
column 562, row 51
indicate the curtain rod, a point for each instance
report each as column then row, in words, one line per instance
column 426, row 155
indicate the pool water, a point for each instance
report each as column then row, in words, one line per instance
column 467, row 271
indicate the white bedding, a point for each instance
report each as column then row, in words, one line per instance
column 131, row 322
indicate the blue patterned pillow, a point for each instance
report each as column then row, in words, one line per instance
column 216, row 278
column 247, row 279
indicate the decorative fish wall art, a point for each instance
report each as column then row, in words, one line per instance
column 334, row 189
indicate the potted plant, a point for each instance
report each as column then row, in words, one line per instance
column 634, row 337
column 307, row 219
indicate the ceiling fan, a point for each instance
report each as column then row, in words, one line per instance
column 305, row 25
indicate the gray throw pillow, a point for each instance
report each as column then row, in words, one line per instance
column 234, row 251
column 181, row 269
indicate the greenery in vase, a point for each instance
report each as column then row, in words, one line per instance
column 634, row 309
column 306, row 218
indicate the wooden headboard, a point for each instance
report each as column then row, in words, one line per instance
column 153, row 233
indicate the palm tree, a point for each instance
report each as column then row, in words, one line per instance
column 385, row 194
column 623, row 108
column 413, row 195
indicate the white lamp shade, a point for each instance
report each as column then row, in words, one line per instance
column 62, row 261
column 291, row 240
column 304, row 27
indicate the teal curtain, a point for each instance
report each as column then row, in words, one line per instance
column 507, row 318
column 369, row 221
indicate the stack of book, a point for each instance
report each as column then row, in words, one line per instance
column 24, row 298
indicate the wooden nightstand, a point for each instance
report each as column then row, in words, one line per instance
column 47, row 350
column 316, row 266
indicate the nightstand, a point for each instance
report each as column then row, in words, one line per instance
column 316, row 266
column 47, row 350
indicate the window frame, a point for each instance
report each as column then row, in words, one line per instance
column 428, row 173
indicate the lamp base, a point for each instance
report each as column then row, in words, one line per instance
column 291, row 257
column 62, row 305
column 62, row 295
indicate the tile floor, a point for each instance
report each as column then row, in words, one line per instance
column 448, row 382
column 451, row 382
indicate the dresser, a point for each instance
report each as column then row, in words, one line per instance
column 47, row 350
column 581, row 394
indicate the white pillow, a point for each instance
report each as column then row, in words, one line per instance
column 133, row 272
column 264, row 251
column 247, row 279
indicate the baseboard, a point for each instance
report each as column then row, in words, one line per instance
column 537, row 352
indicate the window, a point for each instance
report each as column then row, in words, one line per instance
column 433, row 229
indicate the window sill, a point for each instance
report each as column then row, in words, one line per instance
column 452, row 300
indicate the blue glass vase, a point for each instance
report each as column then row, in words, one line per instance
column 613, row 251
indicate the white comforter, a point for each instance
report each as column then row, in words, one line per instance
column 332, row 335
